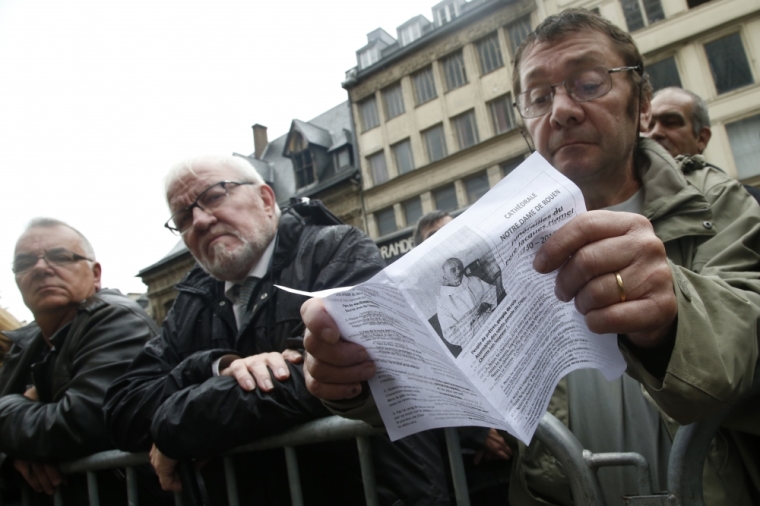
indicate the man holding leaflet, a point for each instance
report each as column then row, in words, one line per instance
column 675, row 275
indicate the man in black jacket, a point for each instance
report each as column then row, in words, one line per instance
column 55, row 375
column 204, row 385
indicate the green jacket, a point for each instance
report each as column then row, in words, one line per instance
column 711, row 230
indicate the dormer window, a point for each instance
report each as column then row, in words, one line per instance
column 409, row 34
column 303, row 160
column 446, row 13
column 368, row 57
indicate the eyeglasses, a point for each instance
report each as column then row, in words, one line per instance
column 56, row 256
column 582, row 86
column 208, row 200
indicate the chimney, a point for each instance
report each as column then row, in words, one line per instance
column 259, row 140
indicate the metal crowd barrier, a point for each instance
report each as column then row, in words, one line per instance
column 318, row 431
column 685, row 466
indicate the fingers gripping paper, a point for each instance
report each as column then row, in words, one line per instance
column 462, row 329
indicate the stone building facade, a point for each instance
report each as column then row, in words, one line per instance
column 433, row 106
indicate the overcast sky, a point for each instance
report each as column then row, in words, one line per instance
column 99, row 98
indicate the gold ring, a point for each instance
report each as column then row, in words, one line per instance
column 621, row 286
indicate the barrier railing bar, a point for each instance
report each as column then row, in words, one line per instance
column 564, row 446
column 644, row 480
column 92, row 488
column 26, row 495
column 231, row 480
column 368, row 471
column 58, row 497
column 105, row 460
column 457, row 466
column 294, row 479
column 132, row 495
column 178, row 499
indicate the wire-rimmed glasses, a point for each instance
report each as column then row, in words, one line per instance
column 208, row 200
column 582, row 86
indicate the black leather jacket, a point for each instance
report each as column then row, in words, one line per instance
column 170, row 396
column 90, row 352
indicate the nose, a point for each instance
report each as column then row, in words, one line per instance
column 37, row 267
column 202, row 219
column 565, row 110
column 654, row 131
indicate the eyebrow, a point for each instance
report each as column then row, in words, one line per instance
column 592, row 59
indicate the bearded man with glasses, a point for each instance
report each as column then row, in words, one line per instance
column 55, row 375
column 227, row 367
column 668, row 261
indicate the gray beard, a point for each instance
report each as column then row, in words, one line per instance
column 234, row 265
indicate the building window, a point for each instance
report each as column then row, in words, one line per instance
column 368, row 111
column 343, row 158
column 634, row 11
column 378, row 168
column 510, row 165
column 368, row 57
column 445, row 198
column 744, row 136
column 402, row 152
column 409, row 34
column 466, row 129
column 303, row 162
column 728, row 63
column 476, row 187
column 394, row 101
column 304, row 166
column 695, row 3
column 446, row 14
column 386, row 221
column 424, row 86
column 664, row 74
column 502, row 115
column 489, row 53
column 435, row 143
column 453, row 69
column 412, row 211
column 517, row 31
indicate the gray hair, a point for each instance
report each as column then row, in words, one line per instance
column 52, row 222
column 244, row 170
column 700, row 117
column 454, row 261
column 424, row 222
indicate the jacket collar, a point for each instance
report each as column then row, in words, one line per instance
column 670, row 201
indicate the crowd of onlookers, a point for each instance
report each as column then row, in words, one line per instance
column 667, row 258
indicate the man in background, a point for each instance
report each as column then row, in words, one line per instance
column 429, row 224
column 681, row 124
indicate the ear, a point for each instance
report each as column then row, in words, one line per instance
column 703, row 138
column 96, row 271
column 645, row 114
column 268, row 198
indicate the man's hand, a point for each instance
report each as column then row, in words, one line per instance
column 494, row 448
column 166, row 469
column 593, row 247
column 334, row 368
column 41, row 477
column 31, row 393
column 254, row 370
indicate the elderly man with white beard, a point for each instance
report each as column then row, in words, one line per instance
column 226, row 369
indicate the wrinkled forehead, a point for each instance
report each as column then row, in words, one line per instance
column 36, row 240
column 189, row 183
column 672, row 101
column 549, row 62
